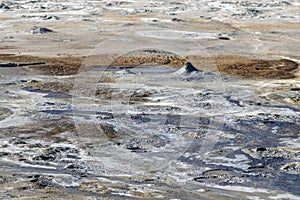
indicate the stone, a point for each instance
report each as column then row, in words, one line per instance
column 40, row 30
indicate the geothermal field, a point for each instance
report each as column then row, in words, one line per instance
column 135, row 99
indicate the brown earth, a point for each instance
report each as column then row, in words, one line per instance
column 54, row 86
column 234, row 65
column 54, row 65
column 277, row 69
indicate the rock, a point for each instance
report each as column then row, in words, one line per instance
column 177, row 20
column 49, row 17
column 104, row 115
column 223, row 38
column 291, row 168
column 69, row 166
column 45, row 157
column 3, row 6
column 40, row 30
column 136, row 149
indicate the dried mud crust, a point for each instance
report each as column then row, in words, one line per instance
column 228, row 64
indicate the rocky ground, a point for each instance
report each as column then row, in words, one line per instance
column 149, row 99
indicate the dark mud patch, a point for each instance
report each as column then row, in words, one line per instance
column 109, row 131
column 46, row 128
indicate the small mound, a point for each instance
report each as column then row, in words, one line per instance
column 187, row 68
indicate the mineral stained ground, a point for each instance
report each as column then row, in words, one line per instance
column 149, row 99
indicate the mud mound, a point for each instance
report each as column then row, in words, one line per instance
column 188, row 68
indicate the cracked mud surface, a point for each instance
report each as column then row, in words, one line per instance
column 80, row 121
